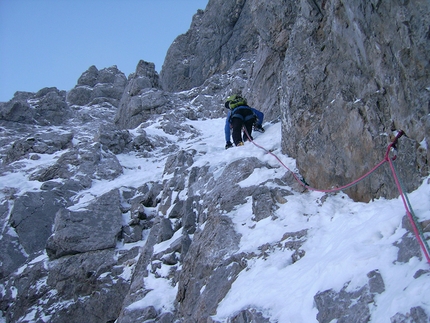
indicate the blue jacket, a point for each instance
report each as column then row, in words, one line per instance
column 227, row 130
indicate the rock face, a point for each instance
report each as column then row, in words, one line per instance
column 89, row 234
column 353, row 75
column 217, row 39
column 343, row 76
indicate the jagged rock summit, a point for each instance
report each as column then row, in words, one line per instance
column 119, row 203
column 106, row 85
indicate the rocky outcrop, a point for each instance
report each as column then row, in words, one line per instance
column 98, row 86
column 38, row 143
column 98, row 227
column 349, row 306
column 225, row 34
column 46, row 107
column 141, row 97
column 210, row 267
column 218, row 37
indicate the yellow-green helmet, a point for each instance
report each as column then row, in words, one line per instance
column 234, row 101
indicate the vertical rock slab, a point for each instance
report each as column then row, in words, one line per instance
column 33, row 216
column 209, row 269
column 354, row 74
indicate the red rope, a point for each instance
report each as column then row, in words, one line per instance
column 392, row 145
column 386, row 158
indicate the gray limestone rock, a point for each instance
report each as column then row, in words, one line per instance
column 342, row 78
column 217, row 38
column 416, row 315
column 350, row 79
column 113, row 139
column 40, row 143
column 209, row 269
column 33, row 215
column 13, row 255
column 46, row 107
column 84, row 164
column 178, row 163
column 23, row 290
column 225, row 193
column 248, row 316
column 160, row 231
column 97, row 227
column 134, row 110
column 263, row 203
column 82, row 288
column 108, row 83
column 145, row 77
column 408, row 244
column 344, row 306
column 141, row 96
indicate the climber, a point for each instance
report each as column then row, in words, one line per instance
column 241, row 115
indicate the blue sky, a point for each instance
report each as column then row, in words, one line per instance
column 52, row 42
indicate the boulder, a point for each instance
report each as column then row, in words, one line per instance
column 97, row 227
column 32, row 217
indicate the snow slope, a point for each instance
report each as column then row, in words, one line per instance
column 345, row 239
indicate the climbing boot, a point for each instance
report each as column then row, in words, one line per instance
column 259, row 128
column 228, row 145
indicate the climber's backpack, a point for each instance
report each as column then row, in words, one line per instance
column 234, row 101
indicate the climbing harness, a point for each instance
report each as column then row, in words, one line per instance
column 416, row 227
